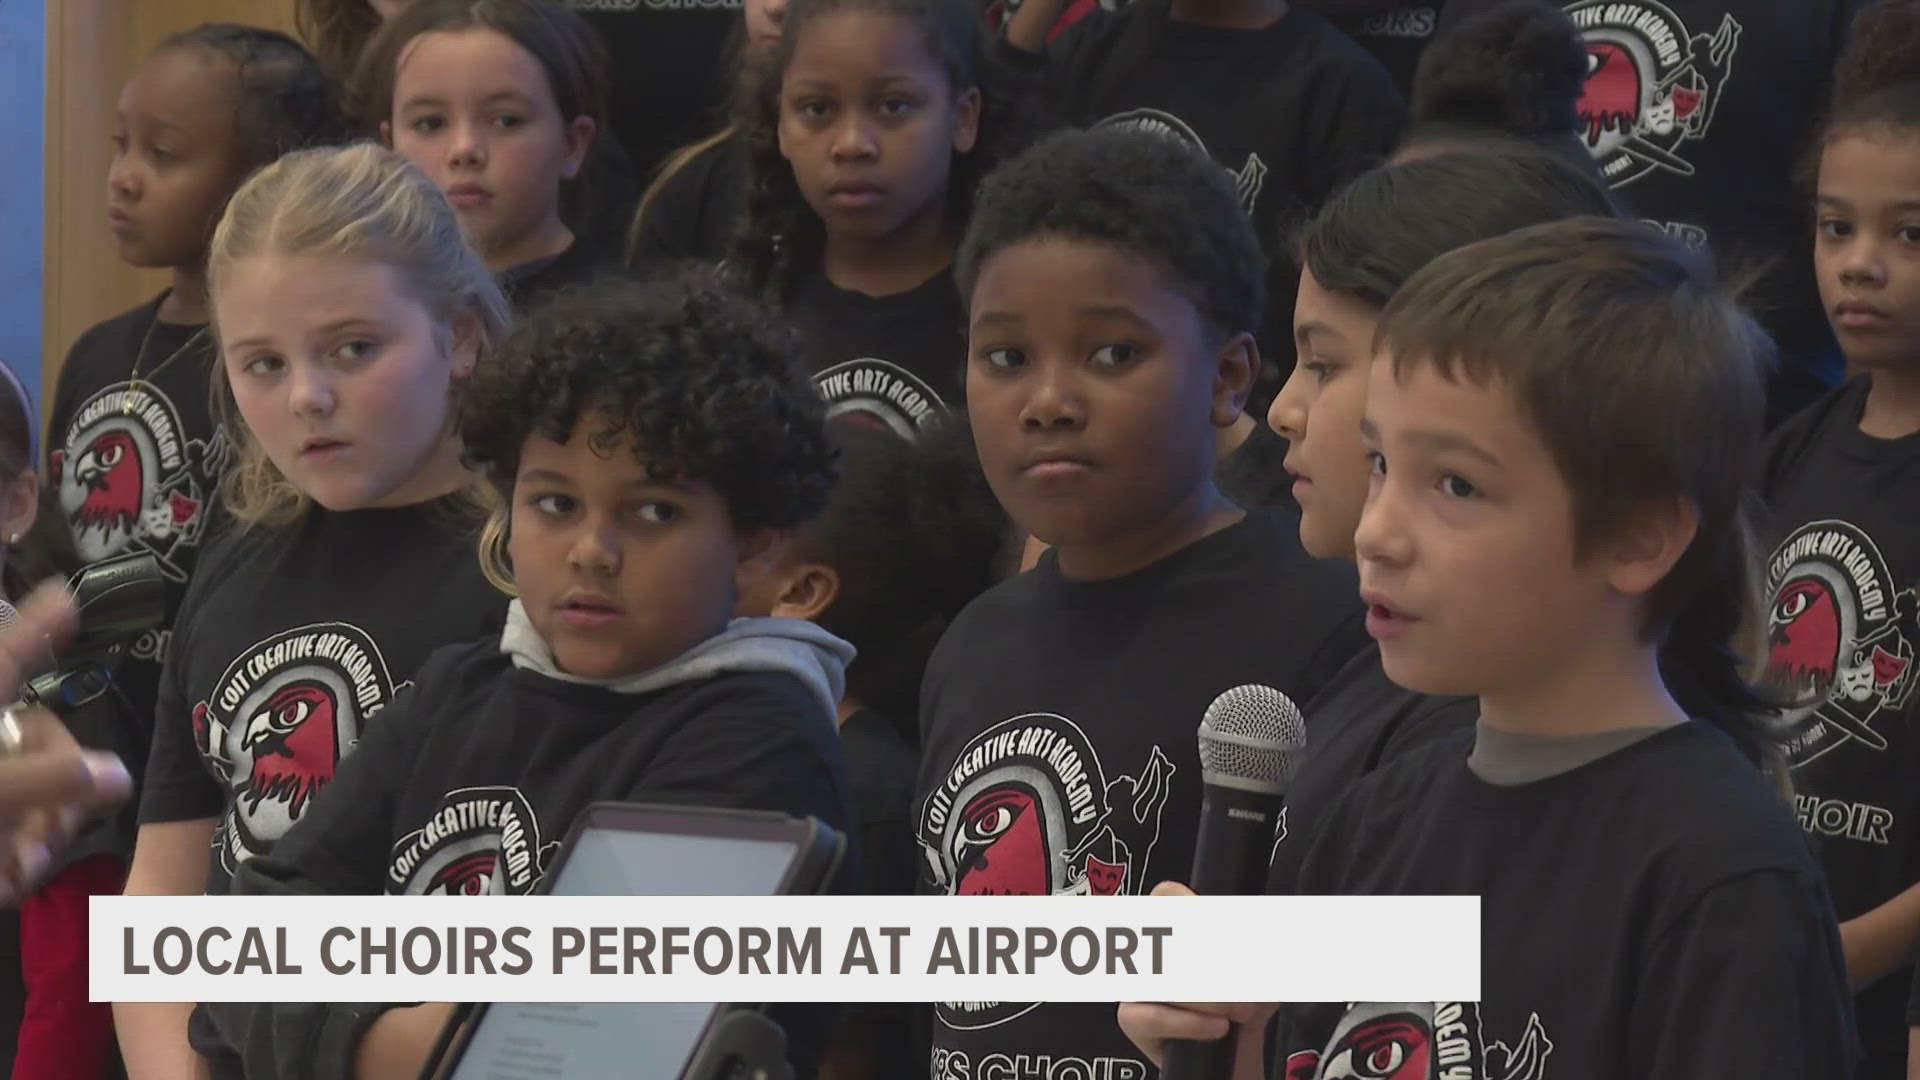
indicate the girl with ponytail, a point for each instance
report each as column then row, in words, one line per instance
column 1841, row 481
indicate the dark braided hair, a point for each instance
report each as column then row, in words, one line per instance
column 287, row 100
column 47, row 549
column 699, row 379
column 779, row 237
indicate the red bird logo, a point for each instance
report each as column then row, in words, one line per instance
column 1804, row 643
column 1611, row 100
column 111, row 472
column 294, row 744
column 1397, row 1047
column 468, row 875
column 1001, row 849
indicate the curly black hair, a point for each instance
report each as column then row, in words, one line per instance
column 778, row 237
column 1515, row 70
column 700, row 379
column 1145, row 193
column 915, row 534
column 1877, row 78
column 287, row 100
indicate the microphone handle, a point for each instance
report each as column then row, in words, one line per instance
column 1229, row 859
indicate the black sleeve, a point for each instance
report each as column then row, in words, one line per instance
column 1913, row 999
column 670, row 231
column 177, row 785
column 337, row 848
column 1341, row 644
column 1750, row 981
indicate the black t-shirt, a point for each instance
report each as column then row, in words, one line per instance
column 1059, row 752
column 528, row 284
column 1255, row 473
column 894, row 361
column 1841, row 581
column 1293, row 111
column 469, row 783
column 694, row 215
column 1654, row 913
column 1361, row 722
column 136, row 462
column 669, row 68
column 880, row 768
column 1698, row 113
column 1397, row 36
column 290, row 641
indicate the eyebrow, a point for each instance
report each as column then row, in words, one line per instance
column 554, row 476
column 1307, row 330
column 333, row 327
column 1837, row 203
column 1441, row 442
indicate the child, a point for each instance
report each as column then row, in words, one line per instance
column 1559, row 427
column 689, row 210
column 1113, row 279
column 652, row 441
column 864, row 146
column 1698, row 113
column 1287, row 104
column 1840, row 483
column 499, row 101
column 348, row 307
column 1511, row 77
column 1362, row 246
column 64, row 1035
column 133, row 455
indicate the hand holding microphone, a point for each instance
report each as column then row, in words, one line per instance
column 1250, row 740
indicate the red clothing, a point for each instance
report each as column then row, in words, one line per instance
column 64, row 1036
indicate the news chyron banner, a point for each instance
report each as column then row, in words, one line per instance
column 784, row 949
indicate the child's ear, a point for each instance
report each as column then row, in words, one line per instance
column 386, row 134
column 466, row 344
column 579, row 139
column 22, row 505
column 809, row 590
column 1237, row 359
column 966, row 121
column 1648, row 546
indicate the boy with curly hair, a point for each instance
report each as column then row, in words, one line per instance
column 651, row 443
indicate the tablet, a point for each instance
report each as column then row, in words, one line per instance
column 625, row 849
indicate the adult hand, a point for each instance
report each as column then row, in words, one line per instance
column 48, row 784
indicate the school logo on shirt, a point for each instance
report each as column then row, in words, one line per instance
column 1652, row 86
column 1251, row 176
column 882, row 395
column 1426, row 1040
column 1839, row 648
column 1027, row 810
column 1413, row 21
column 480, row 841
column 125, row 473
column 278, row 722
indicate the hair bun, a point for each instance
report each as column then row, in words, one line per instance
column 1520, row 66
column 1882, row 51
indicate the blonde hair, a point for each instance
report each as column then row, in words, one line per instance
column 362, row 202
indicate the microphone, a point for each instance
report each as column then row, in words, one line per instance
column 1250, row 740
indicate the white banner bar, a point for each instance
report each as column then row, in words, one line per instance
column 788, row 948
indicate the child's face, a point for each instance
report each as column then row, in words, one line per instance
column 177, row 158
column 620, row 573
column 477, row 113
column 1466, row 546
column 1094, row 389
column 1867, row 247
column 1318, row 411
column 870, row 123
column 342, row 377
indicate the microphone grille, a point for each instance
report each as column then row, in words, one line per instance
column 7, row 615
column 1251, row 738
